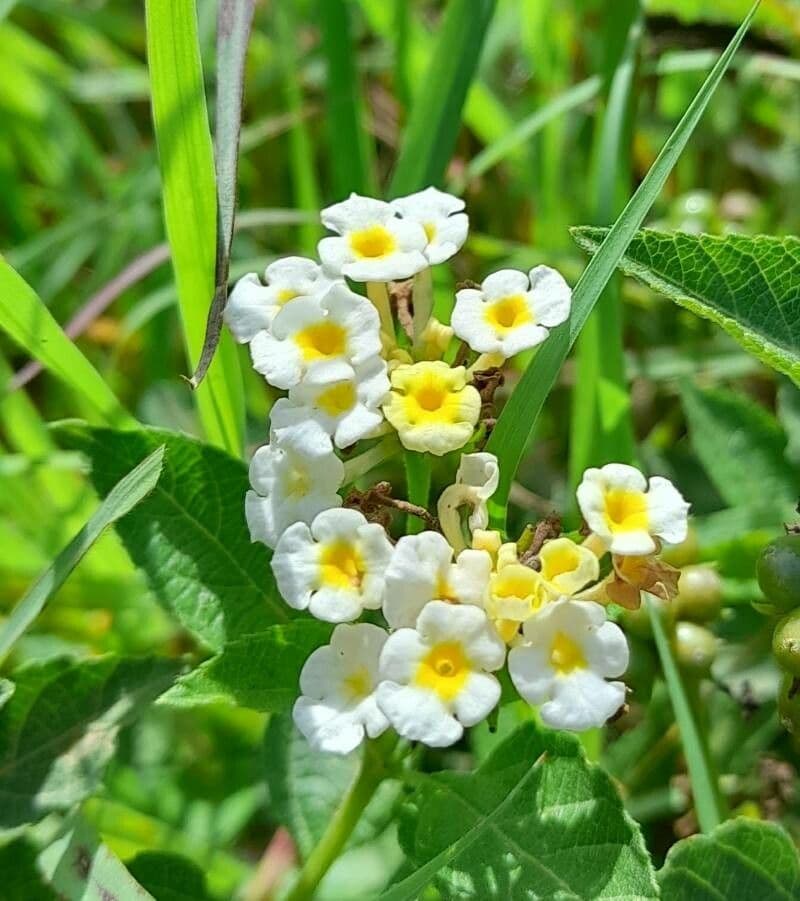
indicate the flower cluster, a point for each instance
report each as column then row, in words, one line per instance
column 452, row 605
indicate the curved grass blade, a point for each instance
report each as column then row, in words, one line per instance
column 431, row 133
column 120, row 500
column 190, row 205
column 234, row 21
column 517, row 422
column 25, row 318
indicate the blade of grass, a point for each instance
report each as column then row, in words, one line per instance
column 190, row 205
column 234, row 21
column 301, row 152
column 515, row 426
column 351, row 152
column 708, row 802
column 28, row 322
column 120, row 500
column 433, row 126
column 601, row 428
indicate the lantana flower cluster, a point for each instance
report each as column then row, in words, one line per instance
column 425, row 623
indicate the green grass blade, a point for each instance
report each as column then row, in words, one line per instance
column 350, row 148
column 601, row 428
column 120, row 500
column 28, row 322
column 708, row 803
column 517, row 422
column 190, row 205
column 435, row 119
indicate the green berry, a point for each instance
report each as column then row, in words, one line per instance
column 789, row 705
column 699, row 594
column 778, row 571
column 695, row 647
column 786, row 643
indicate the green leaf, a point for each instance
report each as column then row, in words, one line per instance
column 743, row 859
column 80, row 867
column 6, row 690
column 306, row 787
column 433, row 126
column 25, row 318
column 20, row 877
column 260, row 671
column 727, row 429
column 535, row 820
column 746, row 285
column 59, row 729
column 189, row 537
column 122, row 498
column 517, row 421
column 351, row 153
column 169, row 877
column 190, row 205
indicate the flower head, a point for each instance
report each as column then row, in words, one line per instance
column 252, row 306
column 334, row 568
column 337, row 707
column 511, row 311
column 432, row 407
column 436, row 678
column 516, row 591
column 373, row 244
column 567, row 652
column 441, row 217
column 422, row 570
column 294, row 477
column 627, row 513
column 567, row 567
column 344, row 400
column 338, row 327
column 476, row 481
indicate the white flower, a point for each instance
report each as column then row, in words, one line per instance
column 566, row 653
column 435, row 678
column 626, row 513
column 252, row 306
column 339, row 326
column 476, row 481
column 337, row 706
column 422, row 570
column 374, row 245
column 294, row 477
column 334, row 569
column 432, row 407
column 442, row 218
column 345, row 401
column 512, row 311
column 567, row 567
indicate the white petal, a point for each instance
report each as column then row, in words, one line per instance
column 450, row 236
column 551, row 296
column 319, row 673
column 440, row 621
column 418, row 715
column 357, row 424
column 334, row 254
column 278, row 361
column 504, row 283
column 667, row 510
column 582, row 701
column 477, row 699
column 374, row 719
column 299, row 274
column 335, row 605
column 359, row 645
column 522, row 338
column 469, row 576
column 481, row 472
column 260, row 517
column 413, row 574
column 396, row 267
column 623, row 477
column 531, row 672
column 401, row 655
column 295, row 565
column 325, row 729
column 469, row 323
column 430, row 203
column 632, row 544
column 340, row 524
column 606, row 650
column 249, row 310
column 355, row 213
column 299, row 314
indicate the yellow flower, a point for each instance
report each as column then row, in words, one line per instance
column 567, row 567
column 432, row 407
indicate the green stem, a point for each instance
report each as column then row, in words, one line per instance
column 708, row 803
column 379, row 295
column 373, row 771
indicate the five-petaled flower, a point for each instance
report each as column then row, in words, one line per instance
column 441, row 216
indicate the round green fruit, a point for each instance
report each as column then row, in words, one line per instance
column 789, row 705
column 778, row 572
column 786, row 643
column 699, row 594
column 695, row 647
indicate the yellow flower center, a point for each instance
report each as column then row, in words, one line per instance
column 338, row 399
column 516, row 581
column 625, row 511
column 298, row 483
column 508, row 313
column 373, row 242
column 430, row 230
column 562, row 559
column 358, row 684
column 566, row 655
column 285, row 295
column 430, row 399
column 445, row 591
column 444, row 670
column 321, row 340
column 341, row 566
